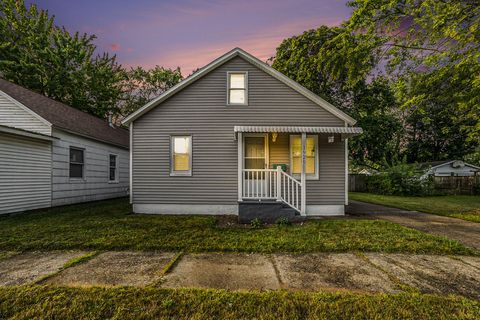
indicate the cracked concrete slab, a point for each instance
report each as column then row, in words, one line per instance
column 433, row 274
column 115, row 268
column 331, row 271
column 32, row 266
column 223, row 271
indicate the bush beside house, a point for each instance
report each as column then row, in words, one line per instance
column 403, row 179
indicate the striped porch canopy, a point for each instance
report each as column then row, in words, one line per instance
column 344, row 131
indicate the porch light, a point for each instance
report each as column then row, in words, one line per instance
column 331, row 139
column 274, row 136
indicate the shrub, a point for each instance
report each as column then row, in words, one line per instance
column 256, row 223
column 402, row 179
column 283, row 222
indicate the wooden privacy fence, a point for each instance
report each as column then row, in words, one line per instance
column 357, row 182
column 457, row 185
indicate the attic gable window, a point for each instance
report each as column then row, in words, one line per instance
column 237, row 88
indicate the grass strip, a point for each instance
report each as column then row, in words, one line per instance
column 107, row 225
column 27, row 302
column 458, row 206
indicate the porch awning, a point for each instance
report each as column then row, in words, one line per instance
column 344, row 131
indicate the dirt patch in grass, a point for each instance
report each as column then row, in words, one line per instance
column 433, row 274
column 29, row 267
column 331, row 271
column 225, row 271
column 115, row 268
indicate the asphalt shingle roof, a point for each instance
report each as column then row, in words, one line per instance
column 65, row 117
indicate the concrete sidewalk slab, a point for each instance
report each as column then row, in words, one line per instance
column 331, row 271
column 466, row 232
column 29, row 267
column 433, row 274
column 224, row 271
column 115, row 268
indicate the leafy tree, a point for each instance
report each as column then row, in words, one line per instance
column 297, row 58
column 143, row 85
column 372, row 103
column 430, row 42
column 37, row 54
column 374, row 107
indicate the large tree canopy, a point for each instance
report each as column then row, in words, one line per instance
column 426, row 53
column 430, row 48
column 371, row 102
column 39, row 55
column 143, row 85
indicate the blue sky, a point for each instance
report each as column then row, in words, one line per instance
column 190, row 33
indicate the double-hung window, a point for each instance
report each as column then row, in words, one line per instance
column 181, row 156
column 77, row 163
column 237, row 88
column 311, row 161
column 113, row 171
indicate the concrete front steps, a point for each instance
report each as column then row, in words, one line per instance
column 268, row 211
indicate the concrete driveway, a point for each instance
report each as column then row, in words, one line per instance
column 466, row 232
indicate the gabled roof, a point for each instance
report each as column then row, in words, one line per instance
column 452, row 161
column 237, row 52
column 64, row 117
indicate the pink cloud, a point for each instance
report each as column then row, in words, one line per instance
column 261, row 44
column 114, row 47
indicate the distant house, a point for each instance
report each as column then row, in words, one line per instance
column 238, row 137
column 456, row 168
column 52, row 154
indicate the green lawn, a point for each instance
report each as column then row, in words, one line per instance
column 463, row 207
column 109, row 225
column 27, row 302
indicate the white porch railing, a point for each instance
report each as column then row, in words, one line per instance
column 272, row 184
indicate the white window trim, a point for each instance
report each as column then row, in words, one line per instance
column 246, row 88
column 309, row 176
column 84, row 165
column 172, row 151
column 116, row 168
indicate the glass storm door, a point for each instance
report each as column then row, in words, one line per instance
column 255, row 158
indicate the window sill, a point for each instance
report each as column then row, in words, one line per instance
column 237, row 104
column 299, row 177
column 113, row 182
column 176, row 174
column 77, row 180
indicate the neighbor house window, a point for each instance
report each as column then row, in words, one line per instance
column 181, row 155
column 311, row 163
column 112, row 173
column 77, row 162
column 237, row 88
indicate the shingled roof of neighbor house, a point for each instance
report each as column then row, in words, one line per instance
column 66, row 118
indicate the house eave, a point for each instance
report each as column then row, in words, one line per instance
column 25, row 133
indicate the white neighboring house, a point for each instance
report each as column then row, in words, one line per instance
column 52, row 154
column 455, row 168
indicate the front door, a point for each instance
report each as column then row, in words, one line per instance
column 255, row 159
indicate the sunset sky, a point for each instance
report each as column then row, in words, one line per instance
column 189, row 33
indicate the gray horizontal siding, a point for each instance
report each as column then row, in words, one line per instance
column 200, row 110
column 11, row 115
column 25, row 174
column 95, row 185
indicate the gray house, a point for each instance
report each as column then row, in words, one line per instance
column 52, row 154
column 238, row 137
column 451, row 168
